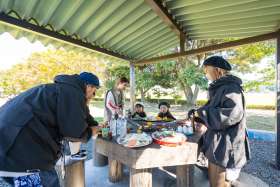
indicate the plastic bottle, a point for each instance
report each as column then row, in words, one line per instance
column 113, row 127
column 123, row 127
column 180, row 129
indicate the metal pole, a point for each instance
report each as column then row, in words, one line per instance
column 278, row 102
column 132, row 87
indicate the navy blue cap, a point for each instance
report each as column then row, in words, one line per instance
column 217, row 61
column 90, row 78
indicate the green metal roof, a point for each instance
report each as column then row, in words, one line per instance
column 18, row 33
column 132, row 28
column 127, row 27
column 206, row 19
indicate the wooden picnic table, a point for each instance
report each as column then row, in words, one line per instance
column 142, row 160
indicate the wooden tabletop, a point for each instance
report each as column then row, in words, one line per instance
column 151, row 156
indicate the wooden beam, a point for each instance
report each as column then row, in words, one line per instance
column 25, row 25
column 216, row 47
column 165, row 16
column 278, row 101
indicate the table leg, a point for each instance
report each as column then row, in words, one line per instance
column 184, row 175
column 115, row 171
column 75, row 174
column 140, row 177
column 98, row 159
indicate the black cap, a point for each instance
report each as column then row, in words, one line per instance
column 139, row 105
column 217, row 61
column 164, row 103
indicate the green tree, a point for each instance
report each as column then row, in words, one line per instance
column 114, row 72
column 246, row 60
column 42, row 67
column 185, row 74
column 246, row 57
column 144, row 81
column 265, row 77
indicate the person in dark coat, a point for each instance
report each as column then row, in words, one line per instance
column 33, row 124
column 225, row 142
column 139, row 111
column 164, row 113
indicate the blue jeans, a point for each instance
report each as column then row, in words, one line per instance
column 48, row 179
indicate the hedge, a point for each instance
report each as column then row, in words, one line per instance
column 199, row 103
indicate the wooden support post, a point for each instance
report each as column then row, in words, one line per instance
column 132, row 87
column 140, row 178
column 75, row 174
column 115, row 171
column 278, row 101
column 184, row 175
column 182, row 42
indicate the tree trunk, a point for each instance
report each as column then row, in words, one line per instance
column 195, row 94
column 142, row 95
column 188, row 94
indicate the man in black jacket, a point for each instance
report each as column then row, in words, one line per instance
column 33, row 124
column 225, row 142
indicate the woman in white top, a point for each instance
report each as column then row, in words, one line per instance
column 114, row 99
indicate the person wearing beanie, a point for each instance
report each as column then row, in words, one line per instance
column 139, row 111
column 223, row 121
column 164, row 113
column 34, row 123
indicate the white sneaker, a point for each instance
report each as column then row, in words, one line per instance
column 82, row 155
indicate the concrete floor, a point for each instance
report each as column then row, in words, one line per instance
column 98, row 177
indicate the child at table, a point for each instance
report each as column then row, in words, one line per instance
column 164, row 113
column 139, row 111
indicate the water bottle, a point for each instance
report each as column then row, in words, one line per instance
column 188, row 130
column 121, row 127
column 113, row 127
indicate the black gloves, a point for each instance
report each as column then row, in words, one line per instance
column 191, row 113
column 116, row 116
column 198, row 120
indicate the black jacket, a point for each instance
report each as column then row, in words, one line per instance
column 139, row 115
column 33, row 124
column 90, row 119
column 166, row 116
column 225, row 143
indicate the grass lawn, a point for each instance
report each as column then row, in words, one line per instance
column 98, row 104
column 98, row 119
column 261, row 123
